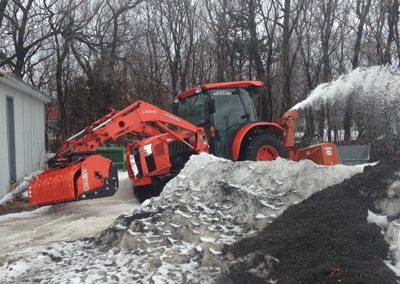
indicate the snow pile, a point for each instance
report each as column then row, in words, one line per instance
column 379, row 220
column 180, row 236
column 392, row 236
column 391, row 206
column 378, row 83
column 389, row 220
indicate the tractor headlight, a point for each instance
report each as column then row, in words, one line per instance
column 147, row 150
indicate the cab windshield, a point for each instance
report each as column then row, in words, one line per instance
column 234, row 108
column 194, row 109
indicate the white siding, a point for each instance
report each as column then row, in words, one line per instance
column 4, row 171
column 29, row 114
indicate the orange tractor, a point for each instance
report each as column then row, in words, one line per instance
column 218, row 118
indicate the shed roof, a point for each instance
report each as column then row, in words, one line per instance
column 10, row 80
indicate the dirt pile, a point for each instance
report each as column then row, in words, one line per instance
column 385, row 148
column 323, row 239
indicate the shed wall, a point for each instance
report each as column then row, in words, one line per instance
column 29, row 117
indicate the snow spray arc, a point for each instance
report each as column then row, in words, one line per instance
column 381, row 84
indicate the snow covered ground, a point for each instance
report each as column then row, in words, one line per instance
column 176, row 238
column 69, row 221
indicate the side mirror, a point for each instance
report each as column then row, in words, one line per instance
column 211, row 106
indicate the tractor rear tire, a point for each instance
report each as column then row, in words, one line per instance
column 264, row 148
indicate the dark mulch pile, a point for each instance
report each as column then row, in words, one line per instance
column 385, row 148
column 325, row 239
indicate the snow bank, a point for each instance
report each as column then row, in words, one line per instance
column 391, row 206
column 180, row 236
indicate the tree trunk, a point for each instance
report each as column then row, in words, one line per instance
column 328, row 12
column 3, row 6
column 321, row 122
column 393, row 19
column 254, row 53
column 362, row 12
column 286, row 69
column 310, row 128
column 329, row 121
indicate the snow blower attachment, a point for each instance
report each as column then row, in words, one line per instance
column 217, row 118
column 322, row 154
column 91, row 177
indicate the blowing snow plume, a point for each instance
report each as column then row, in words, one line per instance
column 180, row 236
column 380, row 84
column 368, row 101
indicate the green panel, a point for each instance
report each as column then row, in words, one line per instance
column 115, row 154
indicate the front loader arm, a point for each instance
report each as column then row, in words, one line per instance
column 140, row 119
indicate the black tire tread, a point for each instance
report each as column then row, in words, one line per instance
column 250, row 151
column 146, row 192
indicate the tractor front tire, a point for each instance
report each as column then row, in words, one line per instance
column 264, row 148
column 146, row 192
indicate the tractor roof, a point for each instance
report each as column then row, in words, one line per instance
column 222, row 85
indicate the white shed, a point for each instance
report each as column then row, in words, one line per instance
column 22, row 130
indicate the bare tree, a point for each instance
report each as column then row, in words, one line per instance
column 392, row 21
column 177, row 20
column 26, row 34
column 269, row 13
column 3, row 6
column 361, row 10
column 93, row 55
column 220, row 22
column 291, row 14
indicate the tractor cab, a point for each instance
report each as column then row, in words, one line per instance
column 222, row 109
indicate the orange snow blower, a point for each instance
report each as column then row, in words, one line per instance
column 217, row 118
